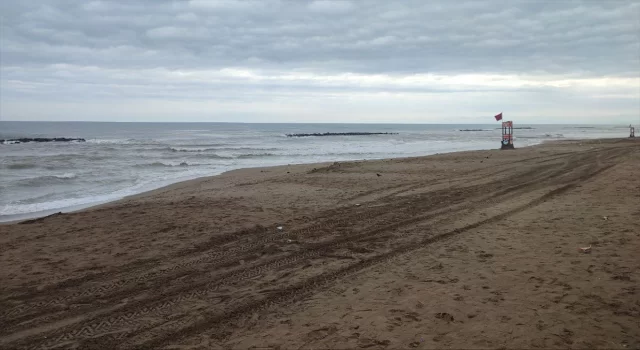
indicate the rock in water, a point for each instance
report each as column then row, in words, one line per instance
column 342, row 134
column 42, row 139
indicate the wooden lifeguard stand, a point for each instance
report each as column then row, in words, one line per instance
column 507, row 135
column 632, row 131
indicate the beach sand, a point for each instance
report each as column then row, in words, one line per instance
column 463, row 250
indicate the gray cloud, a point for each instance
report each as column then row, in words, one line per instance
column 419, row 36
column 135, row 46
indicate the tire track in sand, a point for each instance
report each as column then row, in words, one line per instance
column 105, row 323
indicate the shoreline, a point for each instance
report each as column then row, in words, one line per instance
column 16, row 218
column 435, row 251
column 13, row 219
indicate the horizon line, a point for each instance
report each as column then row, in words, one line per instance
column 334, row 123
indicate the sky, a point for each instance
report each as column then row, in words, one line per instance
column 370, row 61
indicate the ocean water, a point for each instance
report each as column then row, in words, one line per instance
column 121, row 159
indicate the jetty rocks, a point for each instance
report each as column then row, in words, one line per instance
column 41, row 139
column 342, row 134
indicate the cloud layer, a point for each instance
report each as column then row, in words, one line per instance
column 222, row 60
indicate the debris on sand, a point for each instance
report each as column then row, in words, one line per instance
column 605, row 218
column 279, row 228
column 586, row 250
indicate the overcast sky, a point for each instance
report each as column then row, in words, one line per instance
column 321, row 61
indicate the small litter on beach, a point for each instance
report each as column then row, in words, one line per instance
column 357, row 205
column 279, row 228
column 586, row 250
column 605, row 217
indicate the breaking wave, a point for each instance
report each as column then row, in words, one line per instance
column 256, row 155
column 166, row 165
column 208, row 148
column 190, row 150
column 211, row 156
column 160, row 165
column 46, row 180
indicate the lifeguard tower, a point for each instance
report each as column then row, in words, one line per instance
column 632, row 131
column 507, row 135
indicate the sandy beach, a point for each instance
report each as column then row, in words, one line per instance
column 477, row 249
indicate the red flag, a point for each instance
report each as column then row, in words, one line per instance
column 499, row 117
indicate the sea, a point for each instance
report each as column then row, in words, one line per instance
column 122, row 159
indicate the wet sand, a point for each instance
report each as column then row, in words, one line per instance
column 463, row 250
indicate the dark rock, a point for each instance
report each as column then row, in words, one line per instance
column 343, row 134
column 42, row 139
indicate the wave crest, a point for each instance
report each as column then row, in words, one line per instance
column 189, row 150
column 46, row 180
column 256, row 155
column 164, row 165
